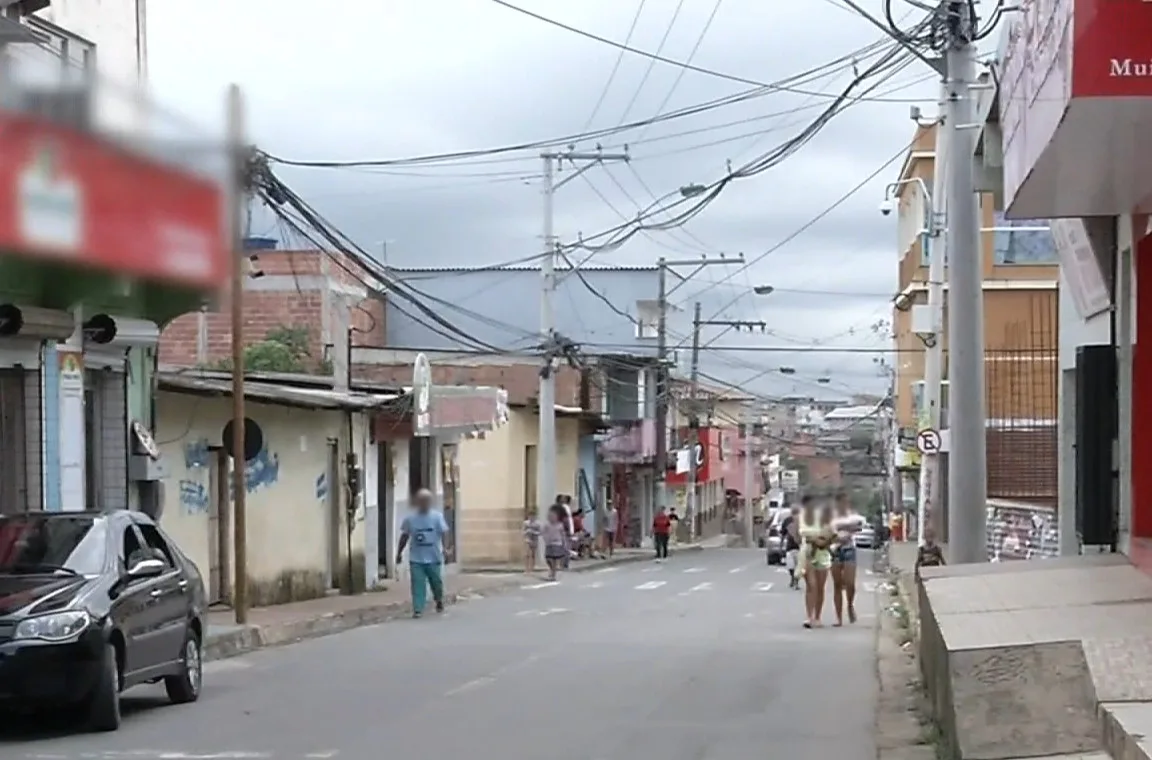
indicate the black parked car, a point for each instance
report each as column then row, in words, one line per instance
column 92, row 604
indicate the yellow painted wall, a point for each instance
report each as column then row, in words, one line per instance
column 288, row 525
column 493, row 481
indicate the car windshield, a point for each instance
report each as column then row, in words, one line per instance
column 53, row 544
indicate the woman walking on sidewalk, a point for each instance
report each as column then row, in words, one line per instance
column 555, row 536
column 425, row 531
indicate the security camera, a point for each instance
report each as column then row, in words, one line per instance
column 886, row 207
column 914, row 113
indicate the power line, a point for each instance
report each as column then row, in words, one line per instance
column 658, row 58
column 652, row 61
column 615, row 68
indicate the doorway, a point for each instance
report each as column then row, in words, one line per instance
column 384, row 505
column 420, row 455
column 450, row 472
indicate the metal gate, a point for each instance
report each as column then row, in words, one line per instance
column 107, row 439
column 13, row 448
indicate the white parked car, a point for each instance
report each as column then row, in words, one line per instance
column 865, row 538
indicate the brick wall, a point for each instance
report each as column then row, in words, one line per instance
column 295, row 302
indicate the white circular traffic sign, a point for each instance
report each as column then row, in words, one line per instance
column 928, row 441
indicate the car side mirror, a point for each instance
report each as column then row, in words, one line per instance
column 146, row 568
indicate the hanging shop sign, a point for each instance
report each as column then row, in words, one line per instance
column 72, row 197
column 1075, row 102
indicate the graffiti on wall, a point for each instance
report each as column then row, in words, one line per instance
column 197, row 454
column 193, row 497
column 261, row 472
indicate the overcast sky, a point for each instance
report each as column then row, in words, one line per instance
column 388, row 79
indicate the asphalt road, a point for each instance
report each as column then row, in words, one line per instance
column 699, row 658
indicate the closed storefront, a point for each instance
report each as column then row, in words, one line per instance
column 21, row 443
column 105, row 434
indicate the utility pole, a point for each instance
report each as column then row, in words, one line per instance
column 693, row 410
column 749, row 427
column 237, row 189
column 662, row 370
column 546, row 448
column 928, row 500
column 967, row 473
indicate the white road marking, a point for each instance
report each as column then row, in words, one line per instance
column 763, row 586
column 140, row 754
column 542, row 613
column 736, row 570
column 652, row 569
column 328, row 753
column 594, row 584
column 650, row 585
column 545, row 584
column 698, row 587
column 605, row 569
column 475, row 683
column 695, row 570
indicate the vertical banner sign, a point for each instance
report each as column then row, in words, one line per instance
column 421, row 396
column 73, row 493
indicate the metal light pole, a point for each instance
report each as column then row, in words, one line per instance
column 928, row 501
column 967, row 473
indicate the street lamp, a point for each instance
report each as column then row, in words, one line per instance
column 763, row 290
column 690, row 190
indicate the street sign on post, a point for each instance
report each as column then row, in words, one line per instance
column 928, row 441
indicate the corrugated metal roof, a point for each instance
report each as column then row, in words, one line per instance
column 276, row 393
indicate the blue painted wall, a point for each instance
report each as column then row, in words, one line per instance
column 589, row 463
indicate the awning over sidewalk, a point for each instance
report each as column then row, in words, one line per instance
column 446, row 410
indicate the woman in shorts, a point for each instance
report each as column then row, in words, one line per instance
column 816, row 560
column 846, row 526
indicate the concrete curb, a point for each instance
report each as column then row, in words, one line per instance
column 232, row 643
column 244, row 640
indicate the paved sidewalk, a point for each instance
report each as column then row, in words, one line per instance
column 287, row 623
column 622, row 556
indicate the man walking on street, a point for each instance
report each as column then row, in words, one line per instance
column 661, row 530
column 425, row 531
column 611, row 522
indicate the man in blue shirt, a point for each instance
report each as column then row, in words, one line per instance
column 424, row 530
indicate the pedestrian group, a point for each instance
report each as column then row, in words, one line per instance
column 819, row 543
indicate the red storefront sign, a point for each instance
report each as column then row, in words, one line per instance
column 70, row 196
column 709, row 453
column 1076, row 108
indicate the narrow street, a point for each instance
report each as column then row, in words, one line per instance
column 700, row 658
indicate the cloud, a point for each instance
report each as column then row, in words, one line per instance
column 396, row 79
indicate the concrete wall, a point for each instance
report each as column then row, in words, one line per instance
column 119, row 29
column 496, row 486
column 289, row 527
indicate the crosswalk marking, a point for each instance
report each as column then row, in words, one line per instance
column 763, row 586
column 736, row 570
column 652, row 569
column 545, row 584
column 695, row 570
column 606, row 570
column 650, row 585
column 698, row 587
column 542, row 613
column 594, row 584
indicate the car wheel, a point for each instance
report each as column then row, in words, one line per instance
column 184, row 686
column 104, row 707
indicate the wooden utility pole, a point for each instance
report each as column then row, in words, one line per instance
column 237, row 190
